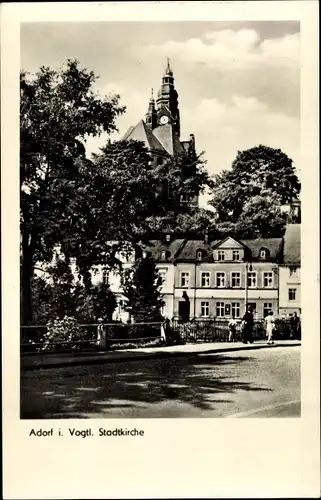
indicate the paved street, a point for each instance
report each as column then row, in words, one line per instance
column 258, row 383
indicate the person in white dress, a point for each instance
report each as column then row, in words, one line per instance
column 270, row 325
column 232, row 329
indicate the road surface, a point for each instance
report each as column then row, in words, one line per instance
column 259, row 383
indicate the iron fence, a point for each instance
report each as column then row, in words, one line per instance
column 37, row 338
column 217, row 330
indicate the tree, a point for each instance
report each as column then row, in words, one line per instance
column 248, row 197
column 124, row 205
column 54, row 296
column 42, row 300
column 61, row 296
column 183, row 176
column 90, row 208
column 118, row 194
column 141, row 285
column 104, row 301
column 58, row 110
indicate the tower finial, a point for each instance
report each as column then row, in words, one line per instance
column 168, row 70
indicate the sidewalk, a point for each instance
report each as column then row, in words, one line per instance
column 59, row 360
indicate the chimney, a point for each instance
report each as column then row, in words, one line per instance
column 206, row 236
column 168, row 238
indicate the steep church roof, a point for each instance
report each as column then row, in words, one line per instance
column 162, row 139
column 143, row 133
column 169, row 140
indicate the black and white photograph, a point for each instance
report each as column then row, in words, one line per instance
column 160, row 257
column 160, row 220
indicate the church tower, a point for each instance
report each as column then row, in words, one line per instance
column 160, row 131
column 167, row 101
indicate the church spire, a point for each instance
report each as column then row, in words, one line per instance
column 168, row 70
column 151, row 99
column 151, row 115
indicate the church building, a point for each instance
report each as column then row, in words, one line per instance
column 160, row 131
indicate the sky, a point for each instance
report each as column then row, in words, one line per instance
column 238, row 82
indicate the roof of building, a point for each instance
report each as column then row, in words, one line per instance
column 141, row 132
column 273, row 245
column 191, row 247
column 156, row 247
column 168, row 138
column 292, row 244
column 161, row 139
column 185, row 250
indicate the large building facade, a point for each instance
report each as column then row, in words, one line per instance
column 220, row 278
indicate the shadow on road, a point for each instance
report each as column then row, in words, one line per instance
column 82, row 392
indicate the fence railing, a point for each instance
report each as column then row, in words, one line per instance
column 41, row 338
column 217, row 330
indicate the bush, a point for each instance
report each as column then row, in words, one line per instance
column 282, row 329
column 63, row 334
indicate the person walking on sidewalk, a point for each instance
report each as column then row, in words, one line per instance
column 248, row 326
column 270, row 325
column 232, row 329
column 294, row 326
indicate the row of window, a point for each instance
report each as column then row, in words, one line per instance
column 221, row 254
column 225, row 310
column 221, row 281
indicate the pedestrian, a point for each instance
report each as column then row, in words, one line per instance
column 270, row 326
column 102, row 340
column 165, row 327
column 294, row 326
column 248, row 326
column 232, row 329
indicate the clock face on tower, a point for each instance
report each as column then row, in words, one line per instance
column 163, row 119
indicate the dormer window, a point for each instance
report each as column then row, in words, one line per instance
column 263, row 253
column 165, row 255
column 199, row 254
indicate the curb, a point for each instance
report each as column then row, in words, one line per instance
column 149, row 355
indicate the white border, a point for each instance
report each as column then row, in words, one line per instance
column 264, row 458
